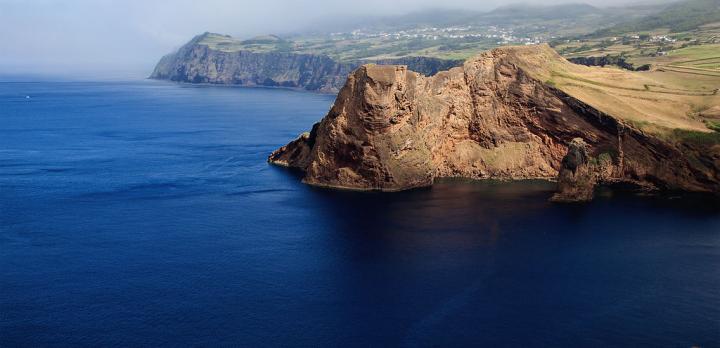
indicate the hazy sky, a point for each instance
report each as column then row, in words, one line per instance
column 89, row 36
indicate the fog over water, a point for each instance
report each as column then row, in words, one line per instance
column 84, row 38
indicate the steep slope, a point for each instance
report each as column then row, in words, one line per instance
column 198, row 62
column 265, row 61
column 499, row 116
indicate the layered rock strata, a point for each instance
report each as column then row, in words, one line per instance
column 393, row 129
column 196, row 62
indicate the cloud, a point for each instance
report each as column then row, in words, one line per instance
column 96, row 35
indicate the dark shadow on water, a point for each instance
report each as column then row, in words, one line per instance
column 451, row 211
column 453, row 208
column 497, row 198
column 690, row 203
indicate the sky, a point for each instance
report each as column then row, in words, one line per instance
column 129, row 36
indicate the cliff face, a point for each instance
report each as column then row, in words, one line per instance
column 427, row 66
column 199, row 63
column 393, row 129
column 609, row 60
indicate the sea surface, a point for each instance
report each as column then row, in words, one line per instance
column 144, row 214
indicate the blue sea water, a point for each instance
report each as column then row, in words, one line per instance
column 144, row 214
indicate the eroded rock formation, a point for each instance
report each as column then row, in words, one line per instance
column 578, row 176
column 393, row 129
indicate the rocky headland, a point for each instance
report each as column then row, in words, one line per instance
column 203, row 61
column 511, row 113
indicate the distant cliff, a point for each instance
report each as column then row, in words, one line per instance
column 424, row 65
column 199, row 62
column 609, row 60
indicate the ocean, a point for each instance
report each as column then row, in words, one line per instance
column 143, row 213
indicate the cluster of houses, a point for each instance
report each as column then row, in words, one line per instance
column 500, row 35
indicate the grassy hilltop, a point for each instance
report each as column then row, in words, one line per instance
column 658, row 101
column 679, row 96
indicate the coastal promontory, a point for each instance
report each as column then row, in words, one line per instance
column 514, row 113
column 270, row 61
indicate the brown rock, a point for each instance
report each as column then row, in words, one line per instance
column 578, row 176
column 393, row 129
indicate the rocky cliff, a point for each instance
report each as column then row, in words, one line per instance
column 199, row 62
column 609, row 60
column 495, row 117
column 427, row 66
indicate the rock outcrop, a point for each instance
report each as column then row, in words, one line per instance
column 578, row 177
column 427, row 66
column 393, row 129
column 609, row 60
column 197, row 62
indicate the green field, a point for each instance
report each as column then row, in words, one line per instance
column 684, row 36
column 352, row 49
column 696, row 60
column 697, row 52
